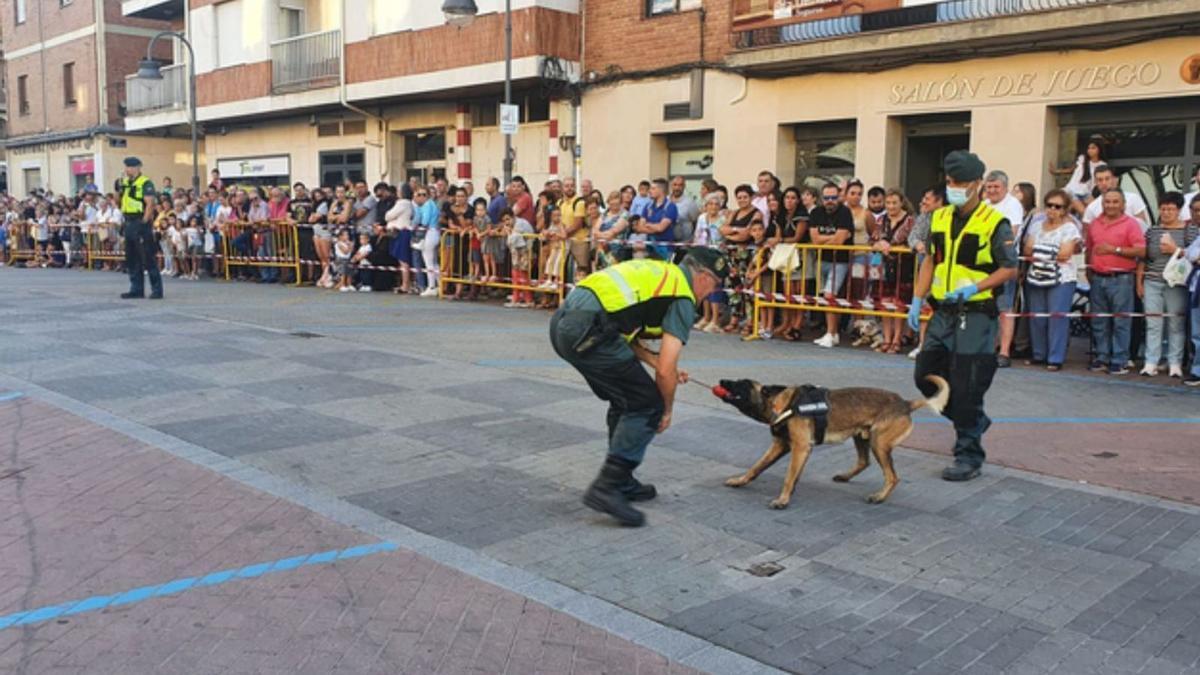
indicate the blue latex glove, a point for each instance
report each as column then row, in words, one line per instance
column 914, row 314
column 965, row 293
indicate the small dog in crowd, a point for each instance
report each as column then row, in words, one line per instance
column 867, row 333
column 802, row 417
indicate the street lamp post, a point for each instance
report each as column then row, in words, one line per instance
column 150, row 68
column 461, row 13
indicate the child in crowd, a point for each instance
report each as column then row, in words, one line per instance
column 177, row 247
column 708, row 233
column 343, row 250
column 516, row 231
column 481, row 224
column 493, row 251
column 41, row 237
column 637, row 240
column 362, row 277
column 554, row 248
column 195, row 243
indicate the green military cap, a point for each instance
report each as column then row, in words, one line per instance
column 964, row 167
column 710, row 259
column 132, row 161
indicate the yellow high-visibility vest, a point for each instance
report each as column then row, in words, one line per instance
column 636, row 294
column 133, row 195
column 967, row 259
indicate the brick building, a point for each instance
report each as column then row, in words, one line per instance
column 324, row 90
column 321, row 91
column 66, row 65
column 882, row 89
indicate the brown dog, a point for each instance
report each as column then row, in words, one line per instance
column 877, row 420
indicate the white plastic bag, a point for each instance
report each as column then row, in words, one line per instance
column 1177, row 270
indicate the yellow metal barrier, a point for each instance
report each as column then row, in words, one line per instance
column 105, row 245
column 529, row 275
column 818, row 264
column 21, row 244
column 274, row 244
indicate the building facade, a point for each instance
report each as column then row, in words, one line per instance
column 323, row 91
column 65, row 65
column 828, row 90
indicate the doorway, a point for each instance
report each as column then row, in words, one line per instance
column 928, row 139
column 425, row 155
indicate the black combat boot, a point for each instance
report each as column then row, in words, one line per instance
column 605, row 494
column 638, row 491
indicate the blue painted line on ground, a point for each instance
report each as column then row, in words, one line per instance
column 177, row 586
column 1072, row 420
column 10, row 396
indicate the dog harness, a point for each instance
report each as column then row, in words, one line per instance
column 808, row 401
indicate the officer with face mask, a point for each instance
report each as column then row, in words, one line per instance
column 971, row 257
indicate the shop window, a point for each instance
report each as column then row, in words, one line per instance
column 825, row 153
column 485, row 114
column 1152, row 146
column 68, row 78
column 341, row 166
column 691, row 156
column 537, row 109
column 661, row 7
column 425, row 146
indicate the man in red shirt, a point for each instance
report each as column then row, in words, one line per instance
column 1114, row 243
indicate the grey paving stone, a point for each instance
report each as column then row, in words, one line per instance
column 328, row 389
column 364, row 463
column 403, row 409
column 475, row 508
column 25, row 350
column 500, row 437
column 92, row 388
column 512, row 393
column 237, row 435
column 190, row 405
column 205, row 355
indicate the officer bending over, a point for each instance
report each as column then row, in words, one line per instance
column 600, row 330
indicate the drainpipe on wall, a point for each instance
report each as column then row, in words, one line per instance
column 101, row 88
column 578, row 100
column 380, row 123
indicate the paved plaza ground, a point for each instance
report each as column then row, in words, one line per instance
column 263, row 479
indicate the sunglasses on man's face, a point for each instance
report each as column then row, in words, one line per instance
column 1055, row 206
column 829, row 198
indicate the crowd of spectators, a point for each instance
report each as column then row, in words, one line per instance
column 1089, row 242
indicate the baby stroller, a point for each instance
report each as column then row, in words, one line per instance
column 1080, row 327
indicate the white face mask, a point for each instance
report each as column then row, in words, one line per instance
column 957, row 196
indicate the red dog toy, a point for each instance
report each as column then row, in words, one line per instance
column 720, row 392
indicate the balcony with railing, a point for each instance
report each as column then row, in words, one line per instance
column 306, row 62
column 765, row 23
column 151, row 96
column 788, row 37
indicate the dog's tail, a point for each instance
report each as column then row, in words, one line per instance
column 938, row 401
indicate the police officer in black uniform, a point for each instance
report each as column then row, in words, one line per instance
column 971, row 257
column 141, row 251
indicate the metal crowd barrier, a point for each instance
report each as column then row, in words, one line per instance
column 524, row 279
column 273, row 244
column 104, row 244
column 20, row 242
column 802, row 283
